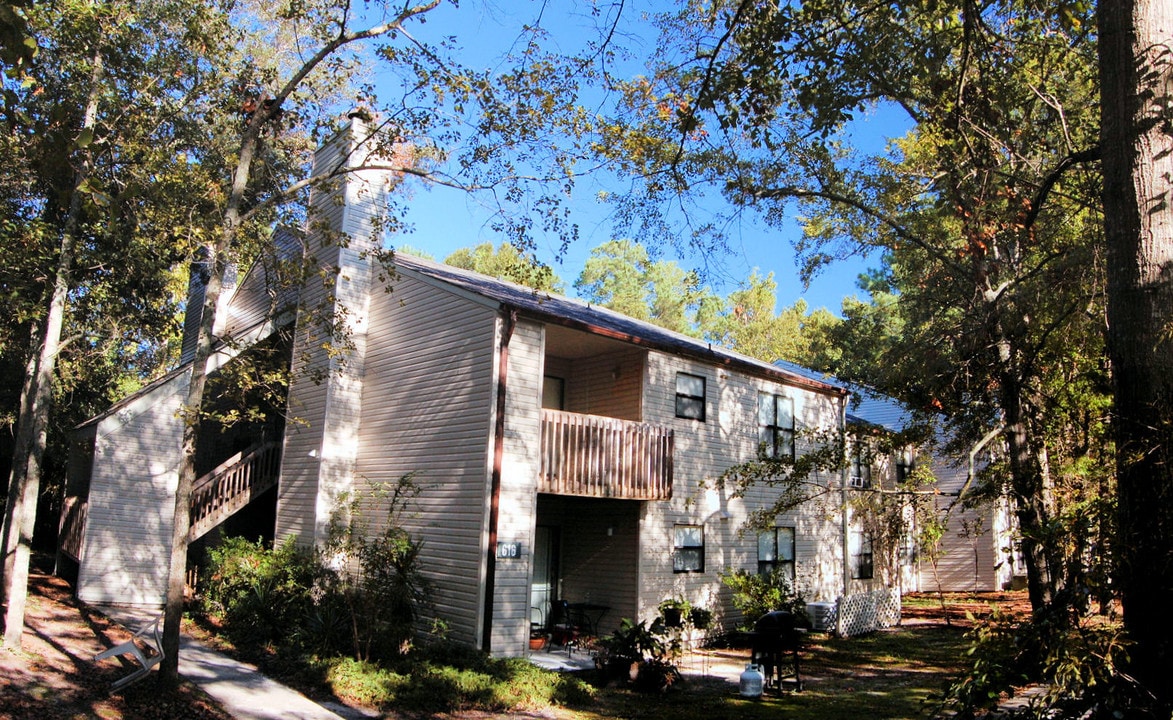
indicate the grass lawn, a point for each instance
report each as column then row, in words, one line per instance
column 890, row 674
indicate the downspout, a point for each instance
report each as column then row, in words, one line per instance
column 510, row 322
column 846, row 529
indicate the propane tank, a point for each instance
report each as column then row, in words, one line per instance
column 751, row 682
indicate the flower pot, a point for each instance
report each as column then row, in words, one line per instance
column 672, row 617
column 537, row 643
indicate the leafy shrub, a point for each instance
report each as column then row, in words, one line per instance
column 641, row 653
column 262, row 594
column 384, row 587
column 290, row 595
column 757, row 594
column 1078, row 660
column 636, row 642
column 425, row 683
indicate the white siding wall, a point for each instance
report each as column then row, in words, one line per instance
column 703, row 450
column 125, row 555
column 517, row 514
column 428, row 409
column 319, row 456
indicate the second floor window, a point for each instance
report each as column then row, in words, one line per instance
column 861, row 469
column 904, row 463
column 776, row 425
column 690, row 396
column 776, row 551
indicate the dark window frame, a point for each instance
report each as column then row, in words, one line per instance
column 904, row 464
column 863, row 565
column 687, row 558
column 777, row 437
column 687, row 403
column 861, row 467
column 771, row 539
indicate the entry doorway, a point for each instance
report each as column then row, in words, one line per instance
column 544, row 590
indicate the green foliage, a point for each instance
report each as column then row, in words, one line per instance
column 507, row 263
column 622, row 276
column 382, row 586
column 642, row 654
column 446, row 677
column 360, row 595
column 262, row 594
column 637, row 642
column 1078, row 660
column 755, row 594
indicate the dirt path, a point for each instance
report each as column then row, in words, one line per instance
column 54, row 675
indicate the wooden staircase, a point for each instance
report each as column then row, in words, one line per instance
column 231, row 486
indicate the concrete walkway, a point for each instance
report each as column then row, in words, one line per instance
column 238, row 687
column 245, row 693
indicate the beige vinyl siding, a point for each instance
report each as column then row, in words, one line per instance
column 965, row 563
column 125, row 556
column 428, row 409
column 704, row 450
column 261, row 293
column 249, row 304
column 518, row 499
column 607, row 385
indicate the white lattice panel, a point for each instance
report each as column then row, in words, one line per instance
column 866, row 612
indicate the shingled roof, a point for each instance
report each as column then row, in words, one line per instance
column 598, row 320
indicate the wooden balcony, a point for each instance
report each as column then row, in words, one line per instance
column 604, row 457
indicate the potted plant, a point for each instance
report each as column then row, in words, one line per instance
column 624, row 653
column 674, row 611
column 700, row 618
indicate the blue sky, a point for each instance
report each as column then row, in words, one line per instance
column 446, row 220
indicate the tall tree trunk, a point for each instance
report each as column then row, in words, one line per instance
column 1136, row 42
column 1031, row 513
column 24, row 434
column 25, row 490
column 1032, row 493
column 217, row 254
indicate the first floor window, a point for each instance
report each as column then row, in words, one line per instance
column 690, row 396
column 776, row 551
column 861, row 555
column 688, row 548
column 908, row 555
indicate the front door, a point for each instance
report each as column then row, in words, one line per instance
column 545, row 586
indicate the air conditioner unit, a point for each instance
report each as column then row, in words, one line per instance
column 856, row 481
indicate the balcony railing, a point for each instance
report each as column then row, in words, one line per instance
column 73, row 524
column 604, row 457
column 233, row 485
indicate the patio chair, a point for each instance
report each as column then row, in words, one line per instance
column 563, row 628
column 146, row 645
